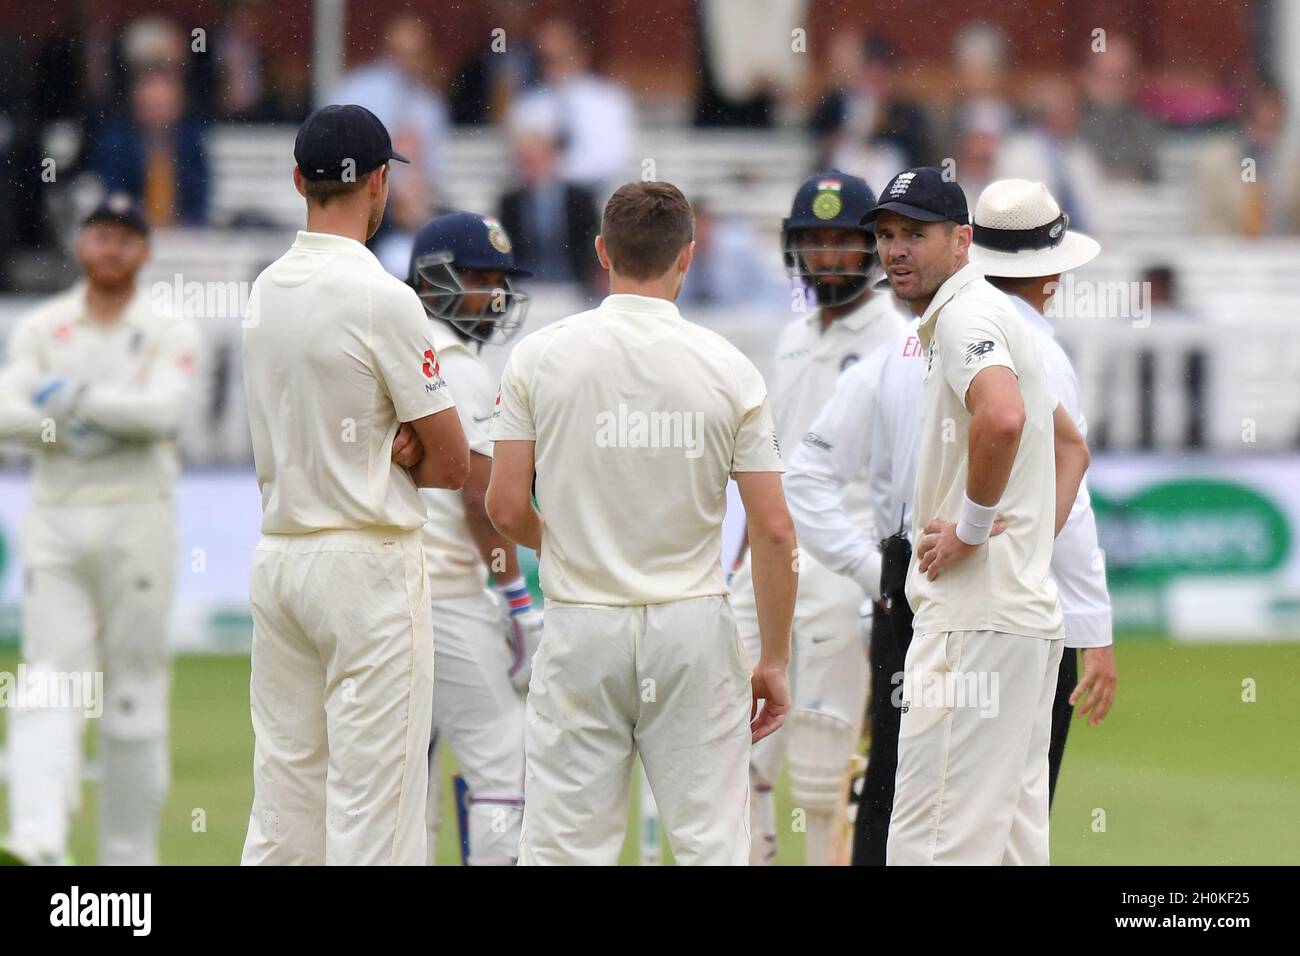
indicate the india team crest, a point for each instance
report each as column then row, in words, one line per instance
column 497, row 236
column 827, row 203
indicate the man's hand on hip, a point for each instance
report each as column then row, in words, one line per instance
column 940, row 547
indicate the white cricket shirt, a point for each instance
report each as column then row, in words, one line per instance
column 868, row 428
column 1006, row 584
column 1078, row 564
column 453, row 562
column 336, row 354
column 639, row 417
column 140, row 376
column 808, row 362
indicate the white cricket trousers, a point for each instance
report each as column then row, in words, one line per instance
column 666, row 680
column 342, row 699
column 972, row 778
column 480, row 715
column 99, row 593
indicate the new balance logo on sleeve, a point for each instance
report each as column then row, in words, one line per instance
column 977, row 349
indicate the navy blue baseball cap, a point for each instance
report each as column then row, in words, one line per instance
column 332, row 135
column 465, row 240
column 120, row 208
column 922, row 193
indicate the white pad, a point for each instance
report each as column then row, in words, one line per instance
column 44, row 778
column 132, row 794
column 494, row 831
column 135, row 705
column 817, row 843
column 818, row 752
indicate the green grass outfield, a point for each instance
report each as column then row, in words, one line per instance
column 1184, row 770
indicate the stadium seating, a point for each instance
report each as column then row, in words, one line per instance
column 1237, row 298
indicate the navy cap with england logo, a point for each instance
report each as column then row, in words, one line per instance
column 924, row 194
column 333, row 135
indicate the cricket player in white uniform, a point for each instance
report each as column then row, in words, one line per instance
column 886, row 392
column 631, row 419
column 832, row 253
column 97, row 382
column 1022, row 243
column 337, row 365
column 869, row 427
column 462, row 268
column 995, row 449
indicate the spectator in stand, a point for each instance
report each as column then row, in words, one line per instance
column 157, row 153
column 726, row 269
column 486, row 87
column 1170, row 419
column 398, row 89
column 553, row 224
column 288, row 88
column 1122, row 137
column 592, row 117
column 1048, row 149
column 977, row 153
column 746, row 62
column 155, row 42
column 979, row 59
column 1248, row 183
column 58, row 79
column 843, row 64
column 868, row 128
column 18, row 213
column 239, row 62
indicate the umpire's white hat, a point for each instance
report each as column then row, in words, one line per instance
column 1020, row 232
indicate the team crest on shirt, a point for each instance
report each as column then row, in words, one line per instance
column 977, row 350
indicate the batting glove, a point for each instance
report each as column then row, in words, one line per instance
column 58, row 397
column 523, row 630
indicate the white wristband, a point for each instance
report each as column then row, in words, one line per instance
column 975, row 521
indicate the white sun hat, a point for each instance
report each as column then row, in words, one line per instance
column 1021, row 233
